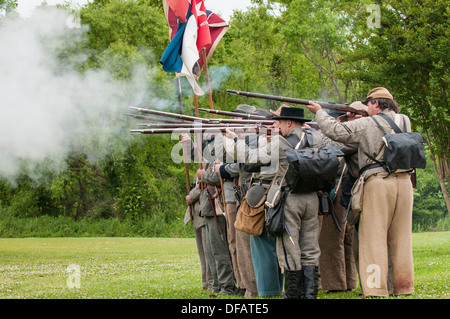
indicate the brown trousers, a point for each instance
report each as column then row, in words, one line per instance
column 386, row 224
column 336, row 263
column 239, row 245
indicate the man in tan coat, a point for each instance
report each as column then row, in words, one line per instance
column 386, row 217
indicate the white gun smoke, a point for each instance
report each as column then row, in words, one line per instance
column 49, row 109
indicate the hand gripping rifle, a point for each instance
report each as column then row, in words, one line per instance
column 326, row 105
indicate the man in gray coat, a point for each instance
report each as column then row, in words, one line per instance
column 269, row 280
column 238, row 242
column 193, row 200
column 299, row 254
column 217, row 252
column 297, row 249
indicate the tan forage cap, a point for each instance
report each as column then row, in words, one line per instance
column 379, row 92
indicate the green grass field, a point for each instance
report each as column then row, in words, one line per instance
column 169, row 268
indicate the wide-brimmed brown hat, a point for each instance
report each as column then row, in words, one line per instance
column 378, row 93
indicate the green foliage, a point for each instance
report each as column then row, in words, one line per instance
column 132, row 22
column 312, row 50
column 60, row 226
column 408, row 53
column 429, row 206
column 152, row 181
column 8, row 5
column 249, row 53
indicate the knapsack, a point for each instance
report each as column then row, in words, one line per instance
column 312, row 169
column 403, row 150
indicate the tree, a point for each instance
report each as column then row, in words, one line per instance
column 260, row 59
column 136, row 24
column 6, row 6
column 409, row 54
column 317, row 30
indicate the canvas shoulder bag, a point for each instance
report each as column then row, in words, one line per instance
column 403, row 150
column 250, row 217
column 312, row 169
column 250, row 220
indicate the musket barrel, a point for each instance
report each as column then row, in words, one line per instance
column 238, row 121
column 235, row 114
column 202, row 120
column 269, row 97
column 202, row 130
column 168, row 114
column 188, row 125
column 339, row 107
column 155, row 119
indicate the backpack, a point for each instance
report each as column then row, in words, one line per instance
column 312, row 168
column 402, row 150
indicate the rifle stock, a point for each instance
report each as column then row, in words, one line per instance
column 327, row 105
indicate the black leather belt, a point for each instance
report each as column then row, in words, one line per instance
column 367, row 167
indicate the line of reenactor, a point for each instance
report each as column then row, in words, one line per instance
column 241, row 170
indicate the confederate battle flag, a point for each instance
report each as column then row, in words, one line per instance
column 203, row 29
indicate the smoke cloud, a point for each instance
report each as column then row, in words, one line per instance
column 49, row 109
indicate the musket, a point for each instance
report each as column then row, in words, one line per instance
column 245, row 129
column 155, row 119
column 169, row 114
column 202, row 120
column 191, row 125
column 327, row 105
column 235, row 114
column 238, row 121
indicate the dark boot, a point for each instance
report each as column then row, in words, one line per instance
column 292, row 284
column 310, row 282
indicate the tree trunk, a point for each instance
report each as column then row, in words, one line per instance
column 441, row 175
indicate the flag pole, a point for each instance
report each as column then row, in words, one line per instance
column 199, row 141
column 196, row 105
column 185, row 153
column 180, row 105
column 205, row 63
